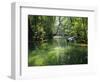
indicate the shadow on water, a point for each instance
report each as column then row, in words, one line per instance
column 58, row 54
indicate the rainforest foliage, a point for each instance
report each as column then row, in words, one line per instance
column 57, row 40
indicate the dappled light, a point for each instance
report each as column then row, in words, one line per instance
column 57, row 40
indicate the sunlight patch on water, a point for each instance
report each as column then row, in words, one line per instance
column 59, row 52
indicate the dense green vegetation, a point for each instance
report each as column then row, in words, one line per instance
column 57, row 40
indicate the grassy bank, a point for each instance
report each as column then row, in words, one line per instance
column 48, row 54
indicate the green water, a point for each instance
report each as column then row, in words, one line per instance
column 58, row 52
